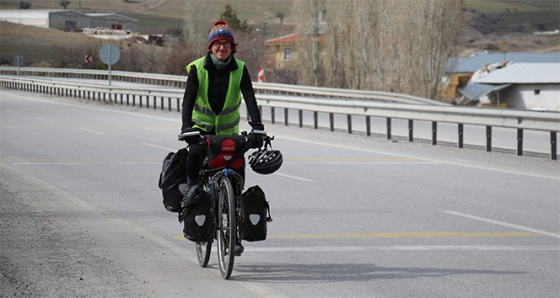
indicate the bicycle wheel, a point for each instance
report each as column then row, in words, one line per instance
column 227, row 227
column 203, row 250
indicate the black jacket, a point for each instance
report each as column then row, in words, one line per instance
column 217, row 90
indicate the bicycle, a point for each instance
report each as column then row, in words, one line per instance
column 224, row 185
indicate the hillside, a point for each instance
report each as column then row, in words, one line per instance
column 492, row 25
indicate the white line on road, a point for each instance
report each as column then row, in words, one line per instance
column 92, row 131
column 294, row 177
column 43, row 119
column 504, row 224
column 159, row 147
column 405, row 248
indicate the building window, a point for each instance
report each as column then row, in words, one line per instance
column 537, row 91
column 287, row 53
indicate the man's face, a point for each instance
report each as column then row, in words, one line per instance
column 221, row 49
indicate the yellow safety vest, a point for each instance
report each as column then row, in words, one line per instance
column 227, row 122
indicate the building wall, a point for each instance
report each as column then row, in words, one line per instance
column 532, row 97
column 110, row 20
column 68, row 20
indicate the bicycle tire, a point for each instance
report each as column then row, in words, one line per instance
column 227, row 227
column 203, row 250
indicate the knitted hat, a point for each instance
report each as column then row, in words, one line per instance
column 220, row 31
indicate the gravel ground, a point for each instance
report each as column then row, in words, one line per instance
column 47, row 249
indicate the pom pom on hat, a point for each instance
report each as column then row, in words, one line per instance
column 220, row 31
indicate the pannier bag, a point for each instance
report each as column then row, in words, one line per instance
column 255, row 214
column 221, row 149
column 172, row 174
column 197, row 217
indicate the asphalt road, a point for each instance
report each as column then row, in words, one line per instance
column 81, row 214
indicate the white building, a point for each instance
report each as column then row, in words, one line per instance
column 527, row 86
column 69, row 20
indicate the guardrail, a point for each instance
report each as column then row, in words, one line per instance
column 165, row 97
column 175, row 81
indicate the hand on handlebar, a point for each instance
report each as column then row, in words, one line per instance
column 190, row 135
column 257, row 134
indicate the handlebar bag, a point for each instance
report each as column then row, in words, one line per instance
column 198, row 220
column 221, row 149
column 172, row 174
column 254, row 214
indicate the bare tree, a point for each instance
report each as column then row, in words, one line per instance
column 307, row 13
column 390, row 45
column 196, row 26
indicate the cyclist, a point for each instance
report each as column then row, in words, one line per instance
column 212, row 101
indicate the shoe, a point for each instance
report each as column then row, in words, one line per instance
column 238, row 249
column 189, row 195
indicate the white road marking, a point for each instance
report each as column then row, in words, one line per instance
column 62, row 163
column 92, row 131
column 405, row 248
column 421, row 158
column 504, row 224
column 294, row 177
column 43, row 119
column 159, row 147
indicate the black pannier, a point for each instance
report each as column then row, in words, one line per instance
column 172, row 174
column 197, row 217
column 255, row 214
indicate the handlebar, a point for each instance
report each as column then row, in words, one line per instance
column 183, row 136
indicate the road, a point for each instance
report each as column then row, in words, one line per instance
column 81, row 214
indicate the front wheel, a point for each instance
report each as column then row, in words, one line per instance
column 227, row 227
column 203, row 250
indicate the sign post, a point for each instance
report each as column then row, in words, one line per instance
column 18, row 61
column 109, row 54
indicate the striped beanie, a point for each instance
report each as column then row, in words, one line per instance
column 220, row 31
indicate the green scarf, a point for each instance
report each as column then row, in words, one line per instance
column 219, row 63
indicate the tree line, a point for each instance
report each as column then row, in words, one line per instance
column 387, row 45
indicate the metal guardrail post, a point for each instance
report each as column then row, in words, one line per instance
column 368, row 126
column 488, row 138
column 388, row 128
column 519, row 142
column 315, row 119
column 434, row 133
column 553, row 145
column 410, row 130
column 460, row 135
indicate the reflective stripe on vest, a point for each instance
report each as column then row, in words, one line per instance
column 227, row 122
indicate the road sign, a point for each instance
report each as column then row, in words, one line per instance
column 87, row 59
column 109, row 54
column 261, row 75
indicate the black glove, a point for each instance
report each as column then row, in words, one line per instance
column 256, row 137
column 193, row 139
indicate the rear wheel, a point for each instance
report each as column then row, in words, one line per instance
column 203, row 250
column 227, row 227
